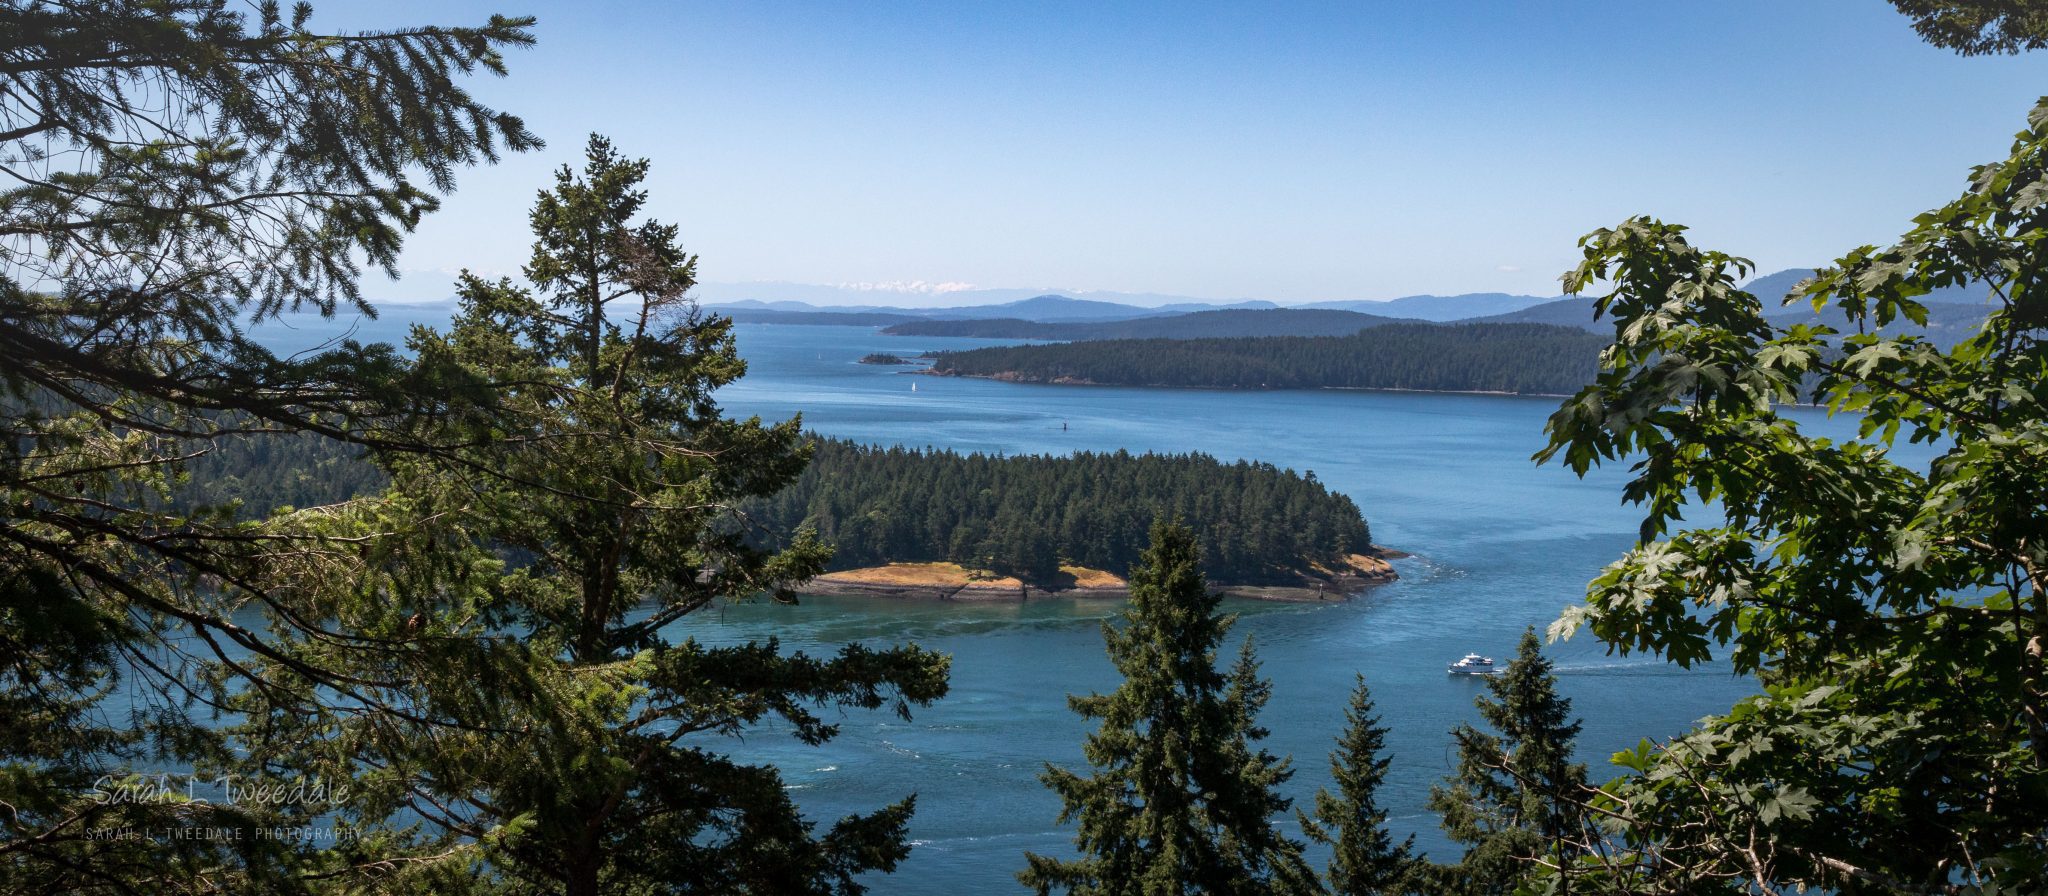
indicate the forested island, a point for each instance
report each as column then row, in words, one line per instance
column 1038, row 518
column 1002, row 523
column 1512, row 358
column 885, row 358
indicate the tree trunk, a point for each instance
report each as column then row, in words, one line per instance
column 582, row 877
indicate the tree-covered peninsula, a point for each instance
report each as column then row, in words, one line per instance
column 1519, row 358
column 1027, row 515
column 1024, row 516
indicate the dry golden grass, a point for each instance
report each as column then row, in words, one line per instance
column 1368, row 565
column 921, row 575
column 1092, row 578
column 953, row 575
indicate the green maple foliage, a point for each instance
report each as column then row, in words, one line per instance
column 1893, row 612
column 1979, row 27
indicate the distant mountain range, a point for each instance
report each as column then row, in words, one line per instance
column 921, row 297
column 1441, row 308
column 1192, row 325
column 1065, row 309
column 1953, row 312
column 814, row 318
column 1772, row 289
column 1045, row 308
column 960, row 303
column 1570, row 311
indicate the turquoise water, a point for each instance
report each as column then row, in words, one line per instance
column 1499, row 544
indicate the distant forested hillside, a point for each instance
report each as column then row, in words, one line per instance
column 1201, row 324
column 1948, row 323
column 1571, row 311
column 1025, row 515
column 1522, row 358
column 1772, row 289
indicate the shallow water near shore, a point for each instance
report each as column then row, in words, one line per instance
column 1499, row 544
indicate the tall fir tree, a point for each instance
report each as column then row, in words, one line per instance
column 1182, row 799
column 1364, row 859
column 601, row 509
column 1517, row 795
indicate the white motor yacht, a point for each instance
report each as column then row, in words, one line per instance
column 1472, row 664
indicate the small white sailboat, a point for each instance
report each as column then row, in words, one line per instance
column 913, row 387
column 1472, row 664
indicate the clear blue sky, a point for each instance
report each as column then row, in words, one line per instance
column 1285, row 152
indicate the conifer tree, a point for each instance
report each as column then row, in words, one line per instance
column 600, row 511
column 176, row 169
column 1182, row 799
column 1365, row 860
column 1517, row 794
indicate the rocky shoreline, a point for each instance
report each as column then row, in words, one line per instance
column 949, row 582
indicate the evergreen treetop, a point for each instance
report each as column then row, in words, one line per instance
column 1182, row 799
column 602, row 508
column 1365, row 860
column 1517, row 798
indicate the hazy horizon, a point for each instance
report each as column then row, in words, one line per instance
column 1297, row 155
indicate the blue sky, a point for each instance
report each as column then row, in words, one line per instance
column 1288, row 152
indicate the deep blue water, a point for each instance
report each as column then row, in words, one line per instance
column 1499, row 544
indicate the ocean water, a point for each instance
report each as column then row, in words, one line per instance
column 1499, row 544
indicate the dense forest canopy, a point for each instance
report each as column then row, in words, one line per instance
column 1523, row 358
column 1025, row 515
